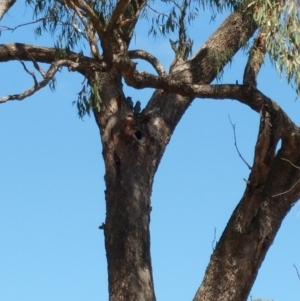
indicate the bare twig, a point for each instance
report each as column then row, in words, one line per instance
column 162, row 14
column 36, row 65
column 296, row 271
column 38, row 85
column 281, row 193
column 290, row 163
column 141, row 54
column 235, row 143
column 30, row 73
column 2, row 27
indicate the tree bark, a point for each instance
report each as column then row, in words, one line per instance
column 133, row 145
column 272, row 189
column 130, row 167
column 5, row 6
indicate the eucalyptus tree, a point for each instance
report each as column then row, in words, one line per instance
column 134, row 140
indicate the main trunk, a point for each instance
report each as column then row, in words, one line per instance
column 130, row 166
column 127, row 239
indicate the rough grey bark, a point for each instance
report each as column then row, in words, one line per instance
column 134, row 143
column 132, row 148
column 129, row 176
column 272, row 189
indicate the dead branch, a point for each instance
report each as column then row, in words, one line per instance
column 144, row 55
column 38, row 85
column 235, row 144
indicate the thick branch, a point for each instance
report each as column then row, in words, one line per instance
column 255, row 60
column 25, row 52
column 141, row 54
column 5, row 5
column 203, row 68
column 220, row 48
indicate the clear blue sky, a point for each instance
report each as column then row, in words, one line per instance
column 52, row 187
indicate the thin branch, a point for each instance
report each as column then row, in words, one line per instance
column 30, row 73
column 160, row 13
column 214, row 240
column 98, row 25
column 235, row 144
column 90, row 35
column 285, row 192
column 296, row 271
column 290, row 163
column 36, row 65
column 2, row 27
column 176, row 4
column 141, row 54
column 38, row 85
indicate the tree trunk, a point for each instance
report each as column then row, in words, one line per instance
column 130, row 168
column 129, row 177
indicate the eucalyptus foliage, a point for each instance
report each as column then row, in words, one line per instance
column 280, row 20
column 169, row 18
